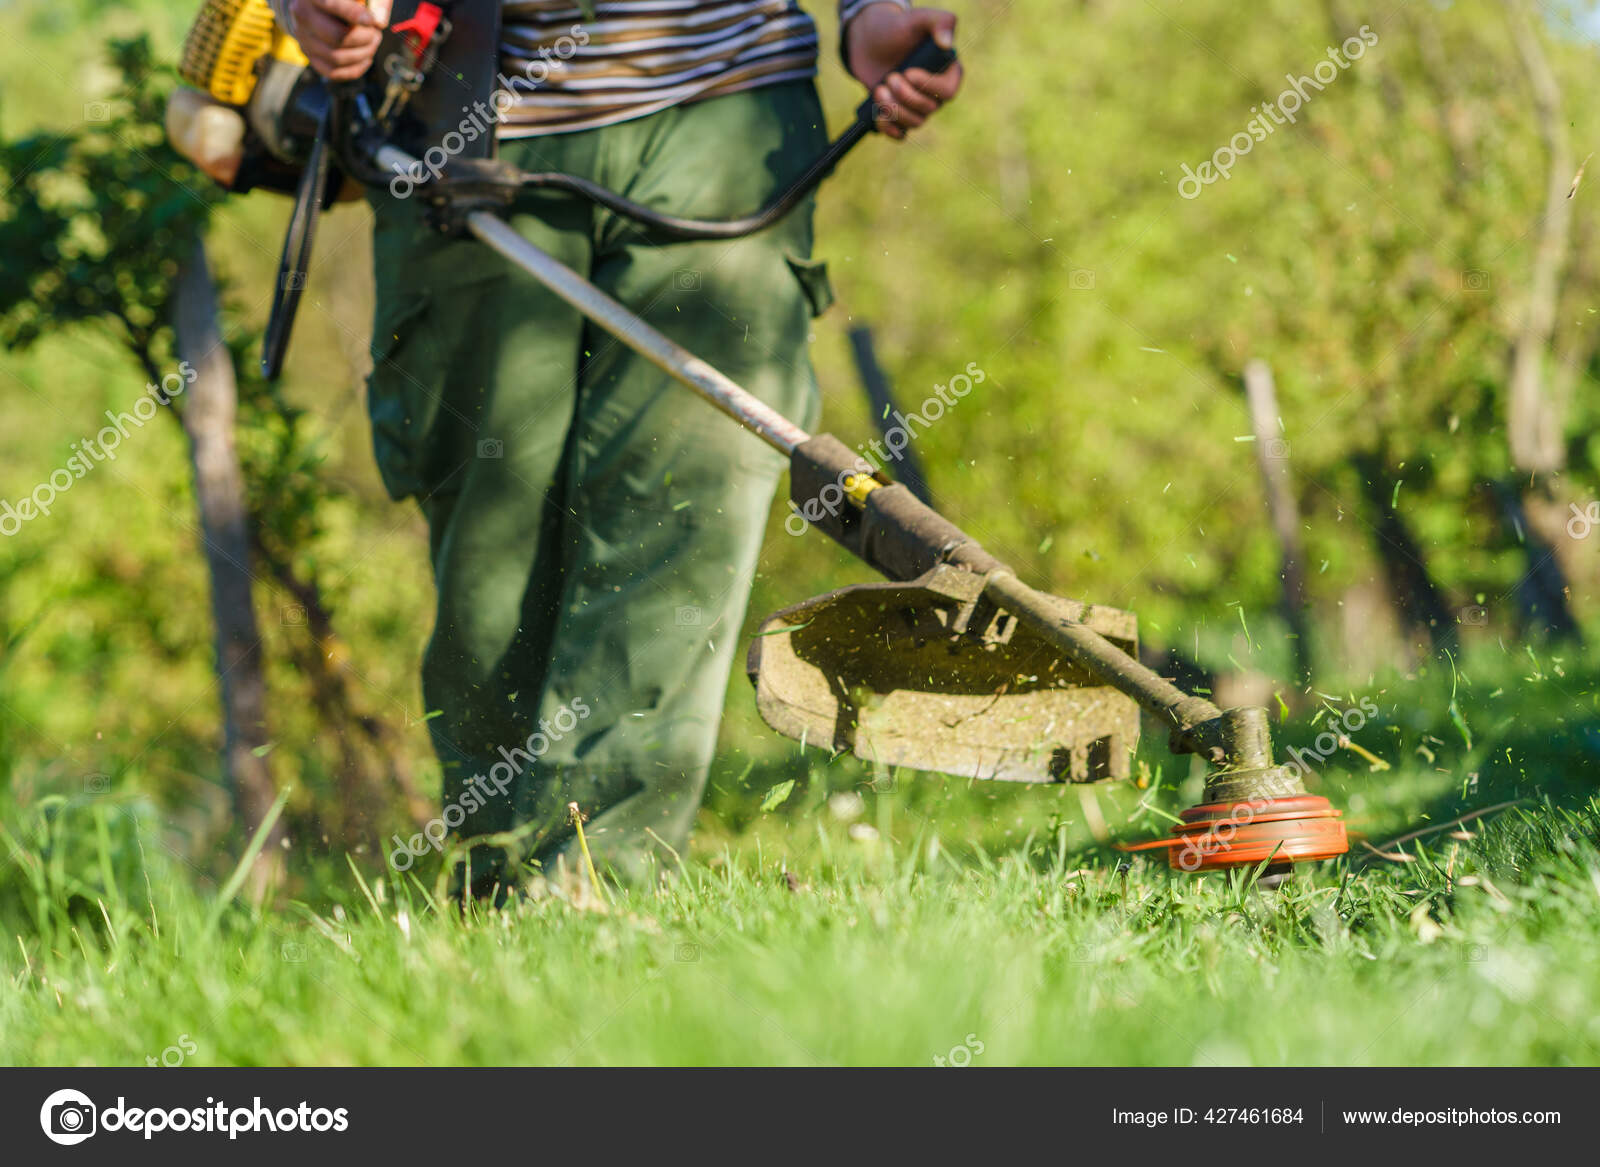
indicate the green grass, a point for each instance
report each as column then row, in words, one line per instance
column 978, row 914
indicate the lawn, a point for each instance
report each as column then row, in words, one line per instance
column 909, row 920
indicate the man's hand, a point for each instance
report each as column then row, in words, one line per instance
column 339, row 36
column 877, row 40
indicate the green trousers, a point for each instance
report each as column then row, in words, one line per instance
column 594, row 527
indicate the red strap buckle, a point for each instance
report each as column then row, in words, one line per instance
column 422, row 26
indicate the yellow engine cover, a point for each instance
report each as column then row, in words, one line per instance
column 227, row 40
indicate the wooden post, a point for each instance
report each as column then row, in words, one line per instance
column 209, row 409
column 1272, row 456
column 907, row 469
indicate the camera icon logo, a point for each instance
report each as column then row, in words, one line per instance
column 687, row 616
column 294, row 281
column 684, row 280
column 1276, row 449
column 1476, row 281
column 293, row 952
column 491, row 448
column 97, row 783
column 686, row 953
column 97, row 111
column 294, row 616
column 1475, row 615
column 68, row 1117
column 1081, row 280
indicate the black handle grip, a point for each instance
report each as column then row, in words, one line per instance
column 929, row 55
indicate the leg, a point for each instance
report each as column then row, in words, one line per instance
column 472, row 395
column 668, row 499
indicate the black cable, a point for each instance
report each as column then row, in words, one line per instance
column 677, row 227
column 296, row 257
column 927, row 55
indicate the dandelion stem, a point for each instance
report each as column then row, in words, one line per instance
column 588, row 860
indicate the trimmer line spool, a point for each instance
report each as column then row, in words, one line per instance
column 1216, row 836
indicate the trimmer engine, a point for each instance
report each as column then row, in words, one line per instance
column 241, row 61
column 238, row 56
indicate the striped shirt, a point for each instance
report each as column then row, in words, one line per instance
column 634, row 57
column 578, row 64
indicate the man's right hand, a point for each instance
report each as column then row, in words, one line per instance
column 340, row 37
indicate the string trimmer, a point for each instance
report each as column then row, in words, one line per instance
column 955, row 665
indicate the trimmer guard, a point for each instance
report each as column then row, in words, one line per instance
column 932, row 676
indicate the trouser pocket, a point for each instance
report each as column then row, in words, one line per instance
column 813, row 277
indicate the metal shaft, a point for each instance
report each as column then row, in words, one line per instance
column 1163, row 700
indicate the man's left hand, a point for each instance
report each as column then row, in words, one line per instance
column 878, row 39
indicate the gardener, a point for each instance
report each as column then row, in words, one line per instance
column 594, row 531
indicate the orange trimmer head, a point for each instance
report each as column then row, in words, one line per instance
column 1216, row 836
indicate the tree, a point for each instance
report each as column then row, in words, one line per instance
column 101, row 228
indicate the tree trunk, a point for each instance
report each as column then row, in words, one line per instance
column 1416, row 597
column 1533, row 424
column 1542, row 594
column 208, row 413
column 1272, row 456
column 1370, row 636
column 1536, row 408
